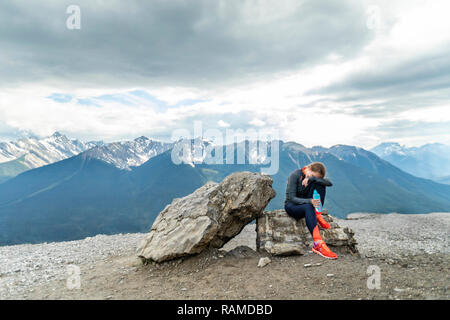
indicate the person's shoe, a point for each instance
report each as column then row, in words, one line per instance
column 322, row 249
column 322, row 221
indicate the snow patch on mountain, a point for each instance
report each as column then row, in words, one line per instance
column 127, row 154
column 40, row 152
column 431, row 161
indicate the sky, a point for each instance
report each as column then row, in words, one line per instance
column 315, row 72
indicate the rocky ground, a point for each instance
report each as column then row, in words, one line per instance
column 412, row 253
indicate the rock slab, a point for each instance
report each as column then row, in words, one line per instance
column 279, row 234
column 207, row 218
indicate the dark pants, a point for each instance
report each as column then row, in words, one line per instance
column 306, row 210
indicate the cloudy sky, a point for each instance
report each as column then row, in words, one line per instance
column 316, row 72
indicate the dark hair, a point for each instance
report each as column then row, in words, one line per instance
column 318, row 167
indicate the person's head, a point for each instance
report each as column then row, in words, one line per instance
column 316, row 169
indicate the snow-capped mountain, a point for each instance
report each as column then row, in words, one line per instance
column 386, row 149
column 203, row 151
column 31, row 152
column 430, row 161
column 192, row 151
column 83, row 196
column 36, row 152
column 126, row 154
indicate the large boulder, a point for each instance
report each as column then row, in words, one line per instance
column 207, row 218
column 279, row 234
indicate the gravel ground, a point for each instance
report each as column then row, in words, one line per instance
column 27, row 265
column 396, row 235
column 397, row 242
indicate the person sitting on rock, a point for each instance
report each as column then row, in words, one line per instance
column 300, row 204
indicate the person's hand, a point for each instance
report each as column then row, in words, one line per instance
column 315, row 202
column 305, row 181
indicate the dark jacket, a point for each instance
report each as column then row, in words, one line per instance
column 297, row 193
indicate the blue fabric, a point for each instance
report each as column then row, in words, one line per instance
column 299, row 211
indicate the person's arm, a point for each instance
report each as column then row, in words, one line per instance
column 291, row 190
column 325, row 182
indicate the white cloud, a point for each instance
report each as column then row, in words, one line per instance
column 223, row 124
column 257, row 123
column 371, row 86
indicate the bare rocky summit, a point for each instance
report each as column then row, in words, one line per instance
column 397, row 236
column 110, row 269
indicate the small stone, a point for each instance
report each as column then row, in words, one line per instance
column 329, row 275
column 263, row 262
column 183, row 289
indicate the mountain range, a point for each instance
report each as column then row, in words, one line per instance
column 29, row 153
column 97, row 192
column 431, row 161
column 127, row 154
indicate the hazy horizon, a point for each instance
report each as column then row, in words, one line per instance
column 169, row 140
